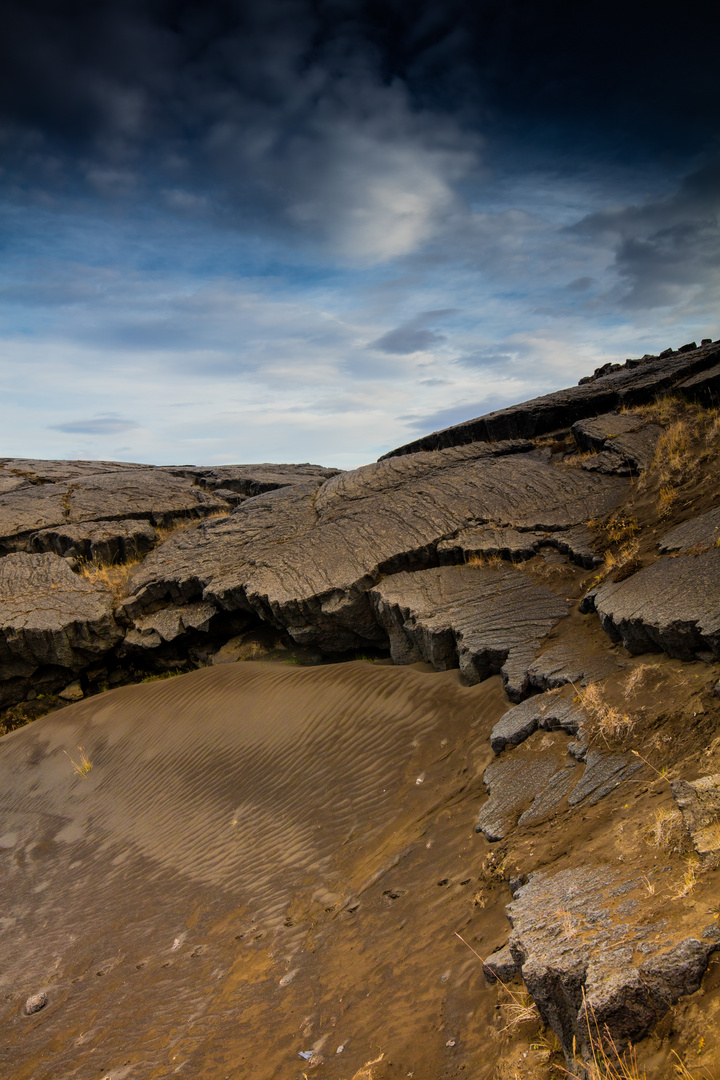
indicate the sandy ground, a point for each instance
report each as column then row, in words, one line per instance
column 263, row 860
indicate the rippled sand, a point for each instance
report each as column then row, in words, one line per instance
column 262, row 860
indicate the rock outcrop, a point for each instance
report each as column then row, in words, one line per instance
column 594, row 951
column 624, row 443
column 688, row 371
column 480, row 619
column 50, row 618
column 673, row 605
column 304, row 558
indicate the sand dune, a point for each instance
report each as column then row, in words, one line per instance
column 212, row 896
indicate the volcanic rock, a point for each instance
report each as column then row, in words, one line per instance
column 624, row 443
column 673, row 605
column 479, row 618
column 500, row 965
column 145, row 493
column 516, row 784
column 699, row 801
column 98, row 541
column 547, row 711
column 303, row 558
column 575, row 937
column 49, row 615
column 629, row 385
column 250, row 480
column 702, row 531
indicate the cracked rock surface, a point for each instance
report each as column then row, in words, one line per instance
column 479, row 618
column 592, row 935
column 673, row 605
column 304, row 558
column 49, row 615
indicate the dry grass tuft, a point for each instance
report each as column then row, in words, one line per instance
column 83, row 766
column 689, row 879
column 114, row 579
column 607, row 1061
column 638, row 679
column 666, row 828
column 682, row 1071
column 608, row 720
column 476, row 558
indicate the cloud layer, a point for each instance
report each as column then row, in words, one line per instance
column 311, row 230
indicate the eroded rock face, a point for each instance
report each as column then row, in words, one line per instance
column 575, row 938
column 673, row 605
column 49, row 615
column 512, row 544
column 699, row 801
column 624, row 443
column 98, row 541
column 304, row 558
column 479, row 618
column 636, row 383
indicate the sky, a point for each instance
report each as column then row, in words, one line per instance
column 312, row 230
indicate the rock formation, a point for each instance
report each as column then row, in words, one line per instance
column 568, row 546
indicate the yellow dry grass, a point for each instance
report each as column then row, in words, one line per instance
column 639, row 678
column 81, row 767
column 666, row 827
column 114, row 578
column 476, row 558
column 689, row 879
column 608, row 721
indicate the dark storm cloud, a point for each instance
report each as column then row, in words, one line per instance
column 334, row 117
column 668, row 248
column 414, row 335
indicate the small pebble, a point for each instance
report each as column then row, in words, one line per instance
column 35, row 1003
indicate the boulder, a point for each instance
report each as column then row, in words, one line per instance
column 591, row 938
column 482, row 619
column 673, row 605
column 627, row 385
column 49, row 615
